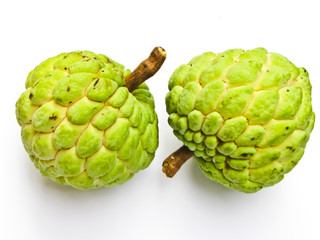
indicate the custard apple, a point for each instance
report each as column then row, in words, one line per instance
column 245, row 115
column 81, row 126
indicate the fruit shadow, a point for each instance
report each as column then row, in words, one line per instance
column 207, row 184
column 49, row 187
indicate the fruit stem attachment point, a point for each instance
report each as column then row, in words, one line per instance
column 173, row 163
column 146, row 69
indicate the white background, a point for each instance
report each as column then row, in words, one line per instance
column 150, row 206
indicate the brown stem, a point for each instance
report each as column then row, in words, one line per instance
column 173, row 163
column 146, row 69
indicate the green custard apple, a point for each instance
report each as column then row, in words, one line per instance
column 245, row 115
column 80, row 124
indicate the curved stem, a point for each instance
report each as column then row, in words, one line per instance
column 173, row 163
column 146, row 69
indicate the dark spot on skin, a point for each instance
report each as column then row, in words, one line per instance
column 222, row 56
column 64, row 57
column 52, row 127
column 70, row 102
column 290, row 148
column 96, row 82
column 102, row 70
column 95, row 58
column 244, row 154
column 53, row 117
column 267, row 70
column 305, row 70
column 288, row 90
column 30, row 96
column 102, row 114
column 153, row 54
column 68, row 89
column 190, row 65
column 109, row 60
column 65, row 68
column 84, row 56
column 287, row 128
column 252, row 139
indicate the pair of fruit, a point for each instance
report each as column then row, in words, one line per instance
column 245, row 115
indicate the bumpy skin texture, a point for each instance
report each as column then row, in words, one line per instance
column 81, row 126
column 247, row 115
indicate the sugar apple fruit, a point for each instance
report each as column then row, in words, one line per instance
column 81, row 125
column 245, row 115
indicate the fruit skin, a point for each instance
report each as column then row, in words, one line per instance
column 247, row 115
column 81, row 126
